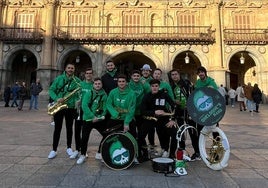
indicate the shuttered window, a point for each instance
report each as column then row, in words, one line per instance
column 77, row 23
column 186, row 21
column 132, row 23
column 25, row 25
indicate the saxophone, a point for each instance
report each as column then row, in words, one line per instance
column 57, row 106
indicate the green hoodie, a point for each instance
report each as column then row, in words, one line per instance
column 62, row 86
column 122, row 104
column 208, row 82
column 138, row 88
column 86, row 87
column 94, row 104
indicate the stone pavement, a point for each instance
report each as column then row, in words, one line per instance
column 26, row 138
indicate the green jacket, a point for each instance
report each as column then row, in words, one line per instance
column 62, row 86
column 138, row 88
column 122, row 104
column 86, row 87
column 208, row 82
column 94, row 104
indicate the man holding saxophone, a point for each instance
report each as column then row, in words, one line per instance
column 64, row 91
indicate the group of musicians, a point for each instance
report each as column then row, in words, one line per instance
column 112, row 103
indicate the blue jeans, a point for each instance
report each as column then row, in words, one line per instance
column 250, row 105
column 34, row 99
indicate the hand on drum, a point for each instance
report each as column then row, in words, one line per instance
column 171, row 124
column 159, row 112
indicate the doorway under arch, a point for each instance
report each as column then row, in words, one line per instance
column 187, row 63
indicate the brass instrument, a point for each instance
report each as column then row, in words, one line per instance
column 57, row 106
column 156, row 118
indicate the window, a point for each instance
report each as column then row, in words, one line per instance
column 132, row 22
column 77, row 24
column 25, row 25
column 186, row 21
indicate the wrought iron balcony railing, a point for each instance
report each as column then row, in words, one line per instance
column 26, row 35
column 246, row 36
column 135, row 34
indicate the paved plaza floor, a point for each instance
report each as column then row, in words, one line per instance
column 26, row 139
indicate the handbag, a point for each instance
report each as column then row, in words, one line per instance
column 242, row 95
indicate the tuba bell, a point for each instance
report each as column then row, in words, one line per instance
column 57, row 106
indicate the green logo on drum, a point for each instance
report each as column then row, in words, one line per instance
column 202, row 102
column 118, row 153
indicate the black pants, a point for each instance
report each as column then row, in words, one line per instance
column 78, row 130
column 87, row 127
column 69, row 114
column 167, row 136
column 194, row 135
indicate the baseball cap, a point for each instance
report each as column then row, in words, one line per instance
column 146, row 67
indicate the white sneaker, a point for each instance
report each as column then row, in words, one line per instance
column 74, row 155
column 52, row 123
column 98, row 156
column 69, row 151
column 165, row 154
column 52, row 154
column 81, row 159
column 186, row 158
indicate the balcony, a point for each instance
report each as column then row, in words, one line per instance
column 246, row 36
column 135, row 35
column 21, row 35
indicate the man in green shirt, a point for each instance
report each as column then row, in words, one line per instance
column 121, row 104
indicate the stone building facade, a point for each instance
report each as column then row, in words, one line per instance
column 228, row 37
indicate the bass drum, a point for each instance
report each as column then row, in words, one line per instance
column 119, row 150
column 214, row 152
column 163, row 165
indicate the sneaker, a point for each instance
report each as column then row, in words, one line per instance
column 52, row 154
column 98, row 156
column 81, row 159
column 69, row 151
column 52, row 123
column 195, row 157
column 186, row 158
column 165, row 154
column 136, row 161
column 74, row 155
column 86, row 155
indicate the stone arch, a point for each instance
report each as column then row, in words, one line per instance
column 9, row 57
column 66, row 52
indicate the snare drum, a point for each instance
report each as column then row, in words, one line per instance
column 163, row 165
column 119, row 150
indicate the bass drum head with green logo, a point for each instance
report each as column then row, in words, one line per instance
column 206, row 106
column 119, row 150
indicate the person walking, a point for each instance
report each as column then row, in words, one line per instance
column 257, row 96
column 241, row 97
column 232, row 95
column 22, row 95
column 35, row 89
column 15, row 92
column 249, row 99
column 7, row 93
column 64, row 90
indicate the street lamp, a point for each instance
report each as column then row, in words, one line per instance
column 24, row 58
column 77, row 60
column 242, row 59
column 187, row 59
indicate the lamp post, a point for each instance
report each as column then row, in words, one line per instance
column 187, row 59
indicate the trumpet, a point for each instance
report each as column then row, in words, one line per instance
column 57, row 106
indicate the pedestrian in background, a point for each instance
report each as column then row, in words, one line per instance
column 232, row 95
column 7, row 93
column 35, row 89
column 22, row 95
column 257, row 96
column 15, row 90
column 241, row 97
